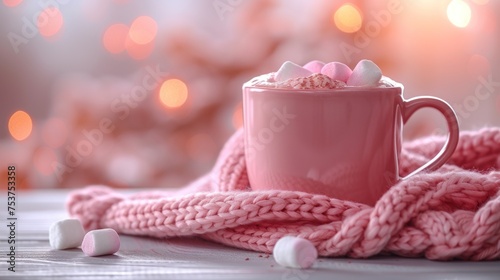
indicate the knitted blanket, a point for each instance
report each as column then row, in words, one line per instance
column 452, row 213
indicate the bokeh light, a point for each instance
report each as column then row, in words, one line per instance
column 173, row 93
column 50, row 22
column 54, row 132
column 238, row 116
column 143, row 30
column 12, row 3
column 20, row 125
column 348, row 18
column 43, row 159
column 459, row 13
column 114, row 38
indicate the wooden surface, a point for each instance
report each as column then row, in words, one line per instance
column 188, row 258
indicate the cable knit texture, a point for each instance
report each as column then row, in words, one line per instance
column 452, row 213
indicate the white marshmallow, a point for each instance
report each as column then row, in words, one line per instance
column 290, row 70
column 295, row 252
column 314, row 66
column 101, row 242
column 366, row 73
column 66, row 234
column 337, row 71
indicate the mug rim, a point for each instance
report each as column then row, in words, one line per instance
column 350, row 90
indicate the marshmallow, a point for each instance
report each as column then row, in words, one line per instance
column 366, row 73
column 388, row 82
column 314, row 81
column 101, row 242
column 290, row 70
column 295, row 252
column 266, row 80
column 66, row 234
column 337, row 71
column 314, row 66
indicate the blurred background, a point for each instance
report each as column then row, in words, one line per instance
column 145, row 93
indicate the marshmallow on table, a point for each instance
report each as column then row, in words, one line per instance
column 295, row 252
column 66, row 234
column 101, row 242
column 314, row 66
column 337, row 71
column 366, row 73
column 290, row 70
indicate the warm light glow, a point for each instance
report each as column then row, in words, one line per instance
column 50, row 22
column 459, row 13
column 481, row 2
column 114, row 38
column 143, row 30
column 12, row 3
column 20, row 125
column 43, row 159
column 54, row 132
column 140, row 40
column 348, row 18
column 238, row 116
column 173, row 93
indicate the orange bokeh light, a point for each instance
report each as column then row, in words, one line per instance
column 12, row 3
column 173, row 93
column 348, row 18
column 114, row 38
column 20, row 125
column 143, row 30
column 50, row 21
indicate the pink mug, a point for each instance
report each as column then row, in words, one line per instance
column 344, row 143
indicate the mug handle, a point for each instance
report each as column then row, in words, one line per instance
column 411, row 106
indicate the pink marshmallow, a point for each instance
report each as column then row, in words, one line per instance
column 366, row 73
column 337, row 71
column 290, row 70
column 314, row 66
column 101, row 242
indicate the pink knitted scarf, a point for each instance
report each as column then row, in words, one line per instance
column 451, row 213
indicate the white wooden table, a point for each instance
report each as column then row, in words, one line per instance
column 188, row 258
